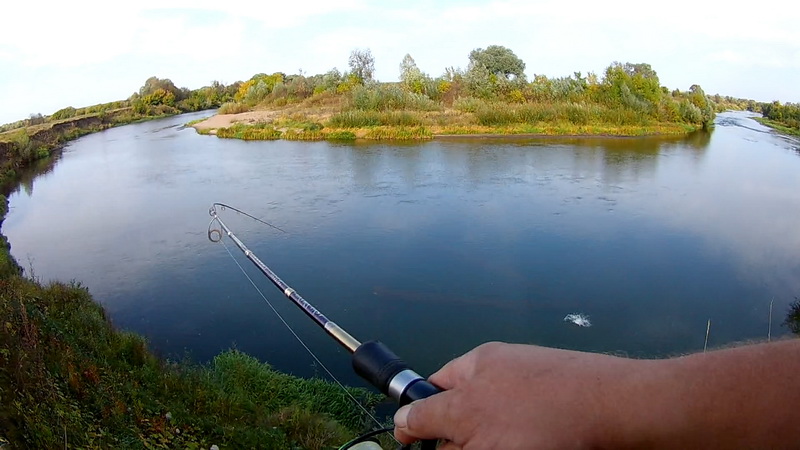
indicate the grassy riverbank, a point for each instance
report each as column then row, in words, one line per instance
column 779, row 126
column 21, row 147
column 312, row 119
column 783, row 117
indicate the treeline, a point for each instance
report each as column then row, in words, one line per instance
column 493, row 88
column 728, row 103
column 157, row 97
column 32, row 139
column 787, row 114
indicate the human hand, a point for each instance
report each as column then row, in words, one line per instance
column 521, row 396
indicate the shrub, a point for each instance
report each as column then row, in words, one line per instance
column 341, row 136
column 233, row 108
column 468, row 104
column 390, row 97
column 258, row 132
column 689, row 112
column 64, row 113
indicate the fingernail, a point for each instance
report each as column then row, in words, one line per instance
column 401, row 417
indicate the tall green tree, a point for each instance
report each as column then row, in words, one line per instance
column 497, row 60
column 153, row 84
column 411, row 77
column 362, row 64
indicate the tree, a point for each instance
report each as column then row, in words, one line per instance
column 412, row 78
column 698, row 98
column 362, row 64
column 154, row 83
column 499, row 61
column 641, row 69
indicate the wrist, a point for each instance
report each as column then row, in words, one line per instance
column 648, row 406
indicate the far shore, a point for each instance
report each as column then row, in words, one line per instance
column 281, row 120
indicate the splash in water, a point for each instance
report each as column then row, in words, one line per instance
column 581, row 320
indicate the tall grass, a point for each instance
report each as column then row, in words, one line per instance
column 233, row 108
column 257, row 132
column 398, row 133
column 499, row 114
column 358, row 118
column 387, row 97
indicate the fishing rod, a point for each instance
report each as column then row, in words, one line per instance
column 372, row 360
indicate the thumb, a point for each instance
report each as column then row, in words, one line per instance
column 428, row 418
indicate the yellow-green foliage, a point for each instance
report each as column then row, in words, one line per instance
column 341, row 136
column 787, row 114
column 257, row 132
column 359, row 118
column 257, row 88
column 303, row 135
column 233, row 108
column 398, row 133
column 349, row 83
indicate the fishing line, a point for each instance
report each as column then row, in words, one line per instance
column 224, row 207
column 291, row 330
column 372, row 360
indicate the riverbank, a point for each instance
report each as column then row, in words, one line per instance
column 309, row 122
column 69, row 378
column 22, row 147
column 778, row 126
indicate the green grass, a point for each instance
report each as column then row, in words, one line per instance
column 398, row 133
column 341, row 136
column 364, row 118
column 249, row 132
column 68, row 378
column 778, row 126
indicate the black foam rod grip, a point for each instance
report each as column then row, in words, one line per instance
column 418, row 390
column 374, row 362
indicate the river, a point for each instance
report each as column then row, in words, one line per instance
column 432, row 247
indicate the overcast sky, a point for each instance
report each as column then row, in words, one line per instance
column 79, row 53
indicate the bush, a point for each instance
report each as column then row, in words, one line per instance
column 390, row 97
column 258, row 132
column 64, row 113
column 341, row 136
column 468, row 104
column 233, row 108
column 689, row 112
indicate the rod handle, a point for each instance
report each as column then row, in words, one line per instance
column 377, row 364
column 374, row 362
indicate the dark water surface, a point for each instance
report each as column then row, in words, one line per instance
column 432, row 247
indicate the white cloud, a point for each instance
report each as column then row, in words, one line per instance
column 195, row 41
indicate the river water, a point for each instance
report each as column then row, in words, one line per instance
column 431, row 247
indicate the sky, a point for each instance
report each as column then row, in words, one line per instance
column 80, row 53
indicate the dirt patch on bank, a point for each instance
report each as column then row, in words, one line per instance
column 312, row 113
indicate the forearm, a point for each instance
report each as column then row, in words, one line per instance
column 746, row 397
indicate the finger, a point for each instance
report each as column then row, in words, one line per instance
column 449, row 445
column 452, row 373
column 430, row 418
